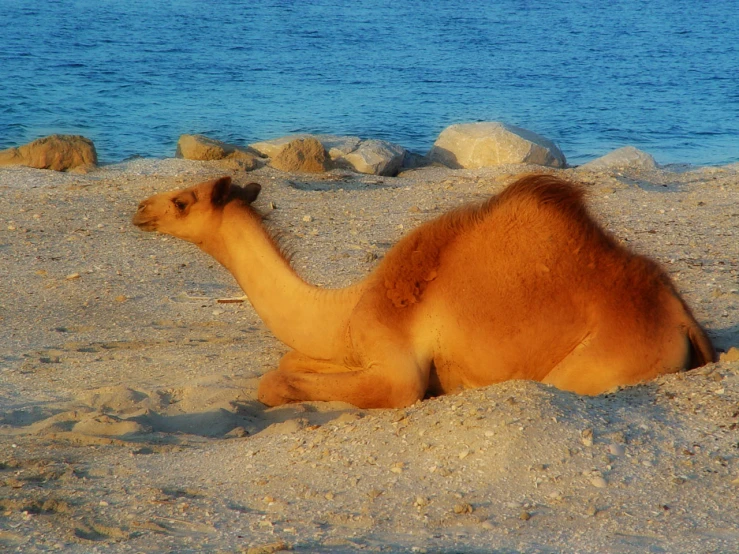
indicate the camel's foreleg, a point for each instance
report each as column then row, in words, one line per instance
column 300, row 378
column 295, row 361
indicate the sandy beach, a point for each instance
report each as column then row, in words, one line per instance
column 129, row 364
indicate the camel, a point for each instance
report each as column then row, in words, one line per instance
column 525, row 285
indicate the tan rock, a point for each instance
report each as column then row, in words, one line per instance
column 731, row 355
column 199, row 147
column 476, row 145
column 57, row 152
column 305, row 155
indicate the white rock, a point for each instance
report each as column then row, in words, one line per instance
column 599, row 482
column 476, row 145
column 617, row 449
column 376, row 157
column 622, row 158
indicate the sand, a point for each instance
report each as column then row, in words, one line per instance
column 129, row 420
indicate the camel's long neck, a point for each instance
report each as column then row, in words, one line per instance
column 306, row 318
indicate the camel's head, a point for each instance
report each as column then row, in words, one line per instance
column 192, row 213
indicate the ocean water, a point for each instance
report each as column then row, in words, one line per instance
column 132, row 75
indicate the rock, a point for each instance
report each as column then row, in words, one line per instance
column 599, row 482
column 476, row 145
column 57, row 152
column 199, row 147
column 626, row 157
column 377, row 157
column 305, row 155
column 616, row 449
column 731, row 355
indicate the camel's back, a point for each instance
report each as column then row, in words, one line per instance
column 536, row 242
column 538, row 221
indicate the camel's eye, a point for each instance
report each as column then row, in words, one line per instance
column 179, row 204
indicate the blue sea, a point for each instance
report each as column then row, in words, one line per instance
column 132, row 75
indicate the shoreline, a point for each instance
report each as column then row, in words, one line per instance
column 128, row 412
column 583, row 158
column 670, row 166
column 172, row 166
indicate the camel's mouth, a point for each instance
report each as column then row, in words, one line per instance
column 144, row 223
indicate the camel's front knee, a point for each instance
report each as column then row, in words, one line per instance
column 274, row 389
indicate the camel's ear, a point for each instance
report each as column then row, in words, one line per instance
column 251, row 191
column 221, row 191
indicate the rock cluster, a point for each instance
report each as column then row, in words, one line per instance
column 470, row 146
column 459, row 146
column 57, row 152
column 375, row 157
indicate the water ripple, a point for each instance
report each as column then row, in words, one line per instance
column 134, row 75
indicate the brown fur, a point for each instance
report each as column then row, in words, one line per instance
column 523, row 286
